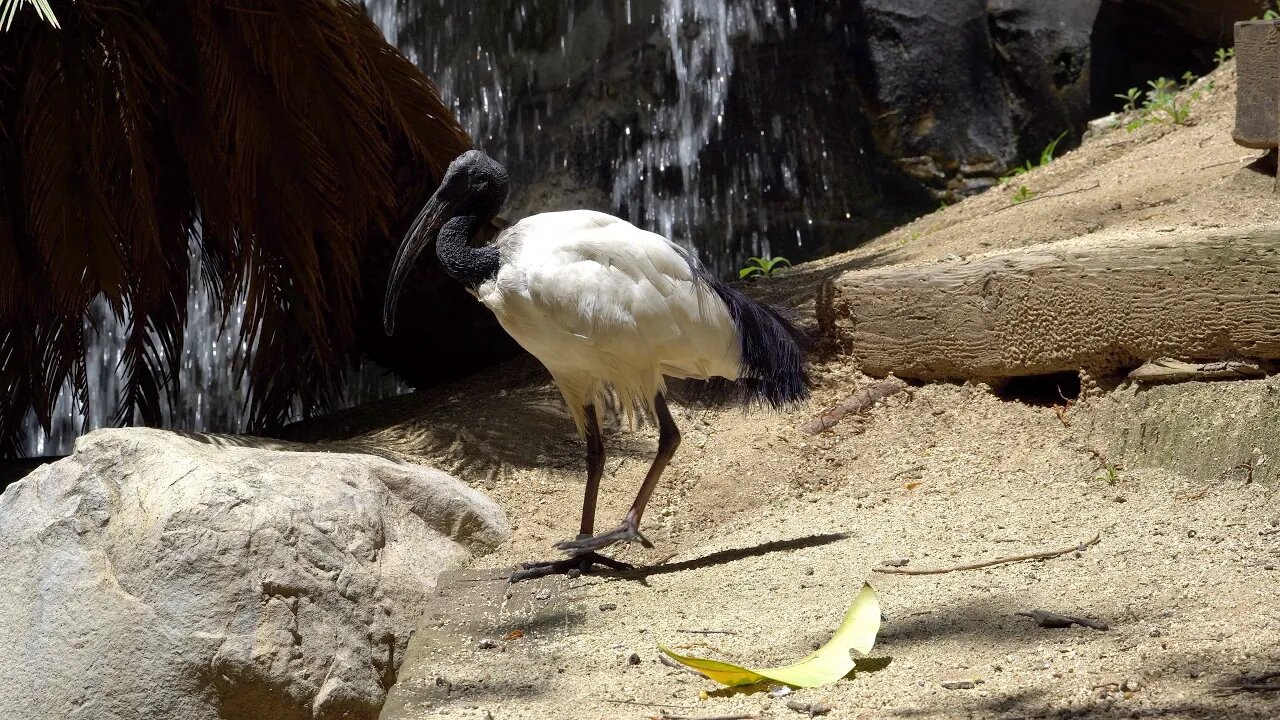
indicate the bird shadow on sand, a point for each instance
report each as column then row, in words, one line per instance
column 722, row 557
column 508, row 417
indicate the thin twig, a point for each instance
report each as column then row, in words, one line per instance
column 708, row 632
column 645, row 704
column 998, row 561
column 665, row 716
column 1250, row 688
column 1231, row 162
column 856, row 403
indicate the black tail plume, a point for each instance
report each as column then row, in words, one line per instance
column 772, row 349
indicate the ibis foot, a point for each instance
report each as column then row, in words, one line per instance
column 626, row 532
column 571, row 566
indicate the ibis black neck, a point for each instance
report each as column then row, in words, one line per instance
column 462, row 262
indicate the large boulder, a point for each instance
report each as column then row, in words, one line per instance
column 162, row 575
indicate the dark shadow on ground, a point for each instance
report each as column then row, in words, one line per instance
column 722, row 557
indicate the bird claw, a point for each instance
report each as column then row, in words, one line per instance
column 626, row 532
column 572, row 566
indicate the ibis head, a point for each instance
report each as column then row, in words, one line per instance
column 474, row 185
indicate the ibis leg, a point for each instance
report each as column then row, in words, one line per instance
column 629, row 530
column 595, row 469
column 579, row 563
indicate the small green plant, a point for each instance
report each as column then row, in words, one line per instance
column 1046, row 157
column 1162, row 103
column 1161, row 87
column 1023, row 194
column 1110, row 474
column 1223, row 55
column 762, row 266
column 1177, row 112
column 1131, row 99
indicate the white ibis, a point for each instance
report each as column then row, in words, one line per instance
column 602, row 304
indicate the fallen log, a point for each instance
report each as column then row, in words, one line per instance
column 1100, row 306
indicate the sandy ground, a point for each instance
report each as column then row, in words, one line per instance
column 765, row 533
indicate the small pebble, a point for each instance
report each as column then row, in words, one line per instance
column 634, row 659
column 606, row 607
column 958, row 684
column 543, row 594
column 780, row 692
column 1130, row 686
column 1195, row 673
column 487, row 644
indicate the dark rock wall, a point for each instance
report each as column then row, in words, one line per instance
column 836, row 120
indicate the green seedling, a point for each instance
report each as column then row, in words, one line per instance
column 1023, row 194
column 762, row 266
column 1161, row 87
column 1131, row 99
column 1223, row 55
column 1110, row 474
column 1046, row 157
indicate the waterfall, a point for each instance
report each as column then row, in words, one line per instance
column 699, row 34
column 510, row 71
column 213, row 396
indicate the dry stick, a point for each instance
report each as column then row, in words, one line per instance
column 708, row 632
column 856, row 403
column 645, row 704
column 1230, row 162
column 1250, row 688
column 998, row 561
column 708, row 717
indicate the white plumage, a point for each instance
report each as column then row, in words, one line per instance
column 601, row 302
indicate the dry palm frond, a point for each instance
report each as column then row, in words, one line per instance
column 9, row 10
column 283, row 136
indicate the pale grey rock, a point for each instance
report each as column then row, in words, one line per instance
column 162, row 575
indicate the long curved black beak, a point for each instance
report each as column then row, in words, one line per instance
column 423, row 231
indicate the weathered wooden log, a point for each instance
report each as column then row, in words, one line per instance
column 1099, row 306
column 1258, row 84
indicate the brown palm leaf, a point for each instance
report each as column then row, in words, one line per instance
column 284, row 136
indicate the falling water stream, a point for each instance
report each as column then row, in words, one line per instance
column 479, row 55
column 515, row 74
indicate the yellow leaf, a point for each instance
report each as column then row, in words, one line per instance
column 825, row 665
